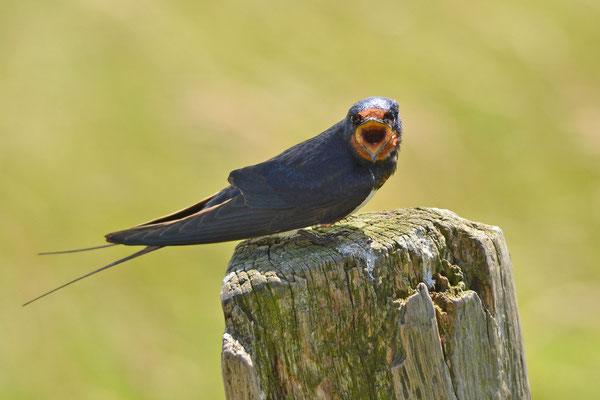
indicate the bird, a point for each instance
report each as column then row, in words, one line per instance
column 316, row 182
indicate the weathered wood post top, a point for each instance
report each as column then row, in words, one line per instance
column 407, row 304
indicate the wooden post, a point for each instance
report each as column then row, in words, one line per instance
column 407, row 304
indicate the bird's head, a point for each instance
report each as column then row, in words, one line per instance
column 374, row 129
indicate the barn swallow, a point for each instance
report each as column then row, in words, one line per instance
column 318, row 181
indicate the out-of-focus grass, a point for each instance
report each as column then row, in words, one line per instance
column 113, row 112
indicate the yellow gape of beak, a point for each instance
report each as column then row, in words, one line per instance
column 371, row 138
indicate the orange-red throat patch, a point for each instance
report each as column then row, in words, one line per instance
column 374, row 140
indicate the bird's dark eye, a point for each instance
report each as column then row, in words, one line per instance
column 389, row 115
column 355, row 119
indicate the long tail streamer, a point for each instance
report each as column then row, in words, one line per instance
column 77, row 250
column 145, row 250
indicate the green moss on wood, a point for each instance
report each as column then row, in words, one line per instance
column 339, row 321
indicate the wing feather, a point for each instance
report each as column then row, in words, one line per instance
column 314, row 182
column 232, row 220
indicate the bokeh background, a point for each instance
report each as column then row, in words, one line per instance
column 115, row 111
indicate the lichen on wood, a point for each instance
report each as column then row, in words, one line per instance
column 407, row 304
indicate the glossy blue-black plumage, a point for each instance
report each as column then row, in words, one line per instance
column 318, row 181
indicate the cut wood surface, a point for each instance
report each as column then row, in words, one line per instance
column 406, row 304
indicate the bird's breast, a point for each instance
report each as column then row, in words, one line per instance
column 365, row 201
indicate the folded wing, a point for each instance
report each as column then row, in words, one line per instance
column 315, row 182
column 231, row 220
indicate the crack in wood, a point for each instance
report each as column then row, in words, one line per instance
column 340, row 320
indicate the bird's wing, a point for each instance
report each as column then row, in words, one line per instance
column 231, row 220
column 314, row 182
column 235, row 219
column 217, row 198
column 272, row 187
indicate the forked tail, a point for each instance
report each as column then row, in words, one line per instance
column 145, row 250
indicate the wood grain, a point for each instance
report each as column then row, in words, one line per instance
column 407, row 304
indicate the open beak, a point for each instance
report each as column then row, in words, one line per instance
column 373, row 135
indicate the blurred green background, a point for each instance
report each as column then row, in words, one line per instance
column 113, row 112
